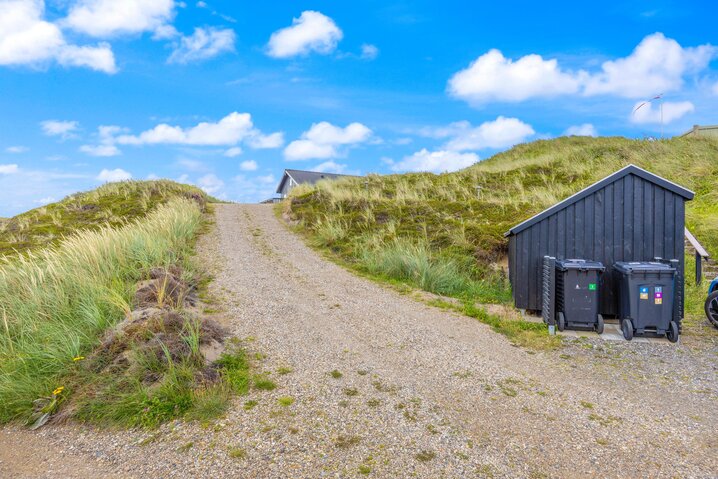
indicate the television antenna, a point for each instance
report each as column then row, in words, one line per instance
column 658, row 97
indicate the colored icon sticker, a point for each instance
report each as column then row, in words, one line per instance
column 592, row 286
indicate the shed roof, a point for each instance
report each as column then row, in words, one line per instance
column 302, row 176
column 628, row 170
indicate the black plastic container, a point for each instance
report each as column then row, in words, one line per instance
column 646, row 293
column 577, row 287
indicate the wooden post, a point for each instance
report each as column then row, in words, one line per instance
column 699, row 268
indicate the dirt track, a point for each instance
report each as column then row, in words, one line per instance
column 422, row 392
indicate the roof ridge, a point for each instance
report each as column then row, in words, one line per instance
column 626, row 170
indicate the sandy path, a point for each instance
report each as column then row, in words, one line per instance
column 422, row 392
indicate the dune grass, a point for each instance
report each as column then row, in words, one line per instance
column 113, row 204
column 444, row 233
column 56, row 303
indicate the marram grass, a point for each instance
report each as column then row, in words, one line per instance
column 55, row 304
column 445, row 233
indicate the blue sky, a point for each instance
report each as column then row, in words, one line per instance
column 226, row 95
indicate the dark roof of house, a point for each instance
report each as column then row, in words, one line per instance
column 697, row 128
column 301, row 177
column 628, row 170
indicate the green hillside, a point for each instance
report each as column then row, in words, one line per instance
column 111, row 205
column 437, row 233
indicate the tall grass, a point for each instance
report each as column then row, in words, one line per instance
column 55, row 304
column 439, row 233
column 414, row 263
column 114, row 204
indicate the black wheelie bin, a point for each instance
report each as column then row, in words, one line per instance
column 646, row 291
column 577, row 286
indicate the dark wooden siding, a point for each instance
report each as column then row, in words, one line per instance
column 630, row 219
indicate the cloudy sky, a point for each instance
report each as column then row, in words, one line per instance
column 226, row 95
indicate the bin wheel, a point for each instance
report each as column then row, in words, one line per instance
column 561, row 322
column 627, row 327
column 599, row 325
column 672, row 332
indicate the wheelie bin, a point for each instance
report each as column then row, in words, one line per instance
column 646, row 291
column 577, row 287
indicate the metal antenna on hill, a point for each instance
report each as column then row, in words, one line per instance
column 658, row 97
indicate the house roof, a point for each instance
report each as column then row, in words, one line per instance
column 697, row 128
column 301, row 177
column 628, row 170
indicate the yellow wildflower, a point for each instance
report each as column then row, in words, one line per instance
column 79, row 358
column 58, row 390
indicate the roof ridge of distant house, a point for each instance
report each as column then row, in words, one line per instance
column 699, row 128
column 307, row 176
column 626, row 170
column 319, row 172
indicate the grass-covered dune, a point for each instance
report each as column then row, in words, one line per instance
column 105, row 325
column 442, row 234
column 113, row 204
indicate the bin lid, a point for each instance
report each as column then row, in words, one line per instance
column 580, row 264
column 630, row 267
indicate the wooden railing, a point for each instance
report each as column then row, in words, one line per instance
column 701, row 255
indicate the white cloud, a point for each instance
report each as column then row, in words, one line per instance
column 331, row 167
column 586, row 129
column 8, row 169
column 369, row 52
column 260, row 142
column 233, row 152
column 45, row 201
column 211, row 184
column 165, row 32
column 305, row 149
column 106, row 137
column 323, row 139
column 500, row 133
column 109, row 176
column 203, row 44
column 107, row 18
column 492, row 77
column 64, row 129
column 16, row 149
column 312, row 31
column 657, row 65
column 27, row 39
column 651, row 112
column 436, row 161
column 100, row 150
column 248, row 165
column 230, row 130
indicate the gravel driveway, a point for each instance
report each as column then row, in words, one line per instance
column 384, row 386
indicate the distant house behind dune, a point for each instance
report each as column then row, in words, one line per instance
column 705, row 130
column 292, row 178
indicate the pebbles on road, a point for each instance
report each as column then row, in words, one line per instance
column 373, row 383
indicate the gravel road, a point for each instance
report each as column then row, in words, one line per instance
column 416, row 391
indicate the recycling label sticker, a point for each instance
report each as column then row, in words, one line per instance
column 644, row 292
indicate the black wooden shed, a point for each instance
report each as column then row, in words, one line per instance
column 631, row 215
